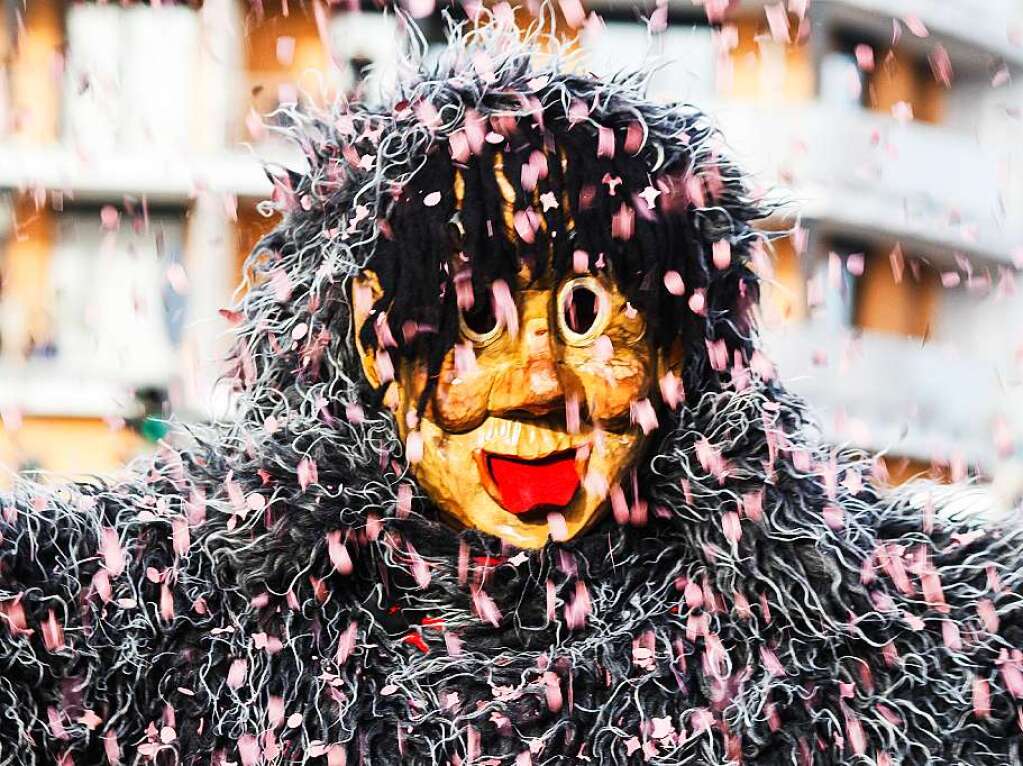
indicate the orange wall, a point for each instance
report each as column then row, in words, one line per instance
column 903, row 307
column 783, row 291
column 265, row 69
column 35, row 71
column 796, row 80
column 67, row 446
column 899, row 77
column 25, row 268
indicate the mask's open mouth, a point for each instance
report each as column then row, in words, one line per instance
column 521, row 486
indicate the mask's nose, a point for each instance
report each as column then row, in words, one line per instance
column 530, row 386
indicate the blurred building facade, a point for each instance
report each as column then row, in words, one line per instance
column 130, row 145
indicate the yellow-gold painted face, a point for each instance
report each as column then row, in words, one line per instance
column 531, row 423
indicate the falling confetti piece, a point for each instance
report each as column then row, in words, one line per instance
column 557, row 526
column 915, row 25
column 673, row 283
column 778, row 22
column 573, row 12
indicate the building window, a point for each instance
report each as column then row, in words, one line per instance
column 684, row 50
column 364, row 45
column 843, row 82
column 118, row 296
column 896, row 294
column 129, row 77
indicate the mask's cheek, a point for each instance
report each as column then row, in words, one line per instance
column 610, row 387
column 459, row 401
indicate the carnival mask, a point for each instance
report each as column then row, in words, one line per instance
column 540, row 410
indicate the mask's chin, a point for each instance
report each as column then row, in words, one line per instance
column 522, row 481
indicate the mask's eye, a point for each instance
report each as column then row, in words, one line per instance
column 584, row 307
column 479, row 324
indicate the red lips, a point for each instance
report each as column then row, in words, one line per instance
column 524, row 485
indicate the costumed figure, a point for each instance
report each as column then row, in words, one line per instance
column 510, row 483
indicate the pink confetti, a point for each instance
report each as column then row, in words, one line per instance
column 109, row 218
column 307, row 473
column 113, row 554
column 981, row 697
column 458, row 145
column 672, row 392
column 452, row 644
column 557, row 526
column 111, row 748
column 717, row 354
column 573, row 11
column 580, row 262
column 504, row 307
column 285, row 50
column 414, row 447
column 346, row 644
column 180, row 535
column 854, row 729
column 53, row 633
column 619, row 505
column 649, row 195
column 236, row 673
column 772, row 664
column 101, row 584
column 623, row 223
column 249, row 750
column 552, row 691
column 673, row 283
column 432, row 199
column 722, row 254
column 420, row 569
column 988, row 615
column 579, row 608
column 337, row 551
column 834, row 517
column 731, row 526
column 605, row 142
column 166, row 602
column 941, row 65
column 1012, row 672
column 643, row 414
column 404, row 501
column 524, row 226
column 915, row 25
column 778, row 22
column 698, row 302
column 864, row 57
column 902, row 111
column 485, row 607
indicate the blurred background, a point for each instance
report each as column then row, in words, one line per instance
column 132, row 136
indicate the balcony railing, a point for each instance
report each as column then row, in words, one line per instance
column 968, row 28
column 864, row 171
column 887, row 392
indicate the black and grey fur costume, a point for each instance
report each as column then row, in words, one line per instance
column 277, row 590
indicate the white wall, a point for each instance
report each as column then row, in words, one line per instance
column 685, row 55
column 130, row 76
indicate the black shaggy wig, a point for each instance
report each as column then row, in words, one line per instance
column 277, row 590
